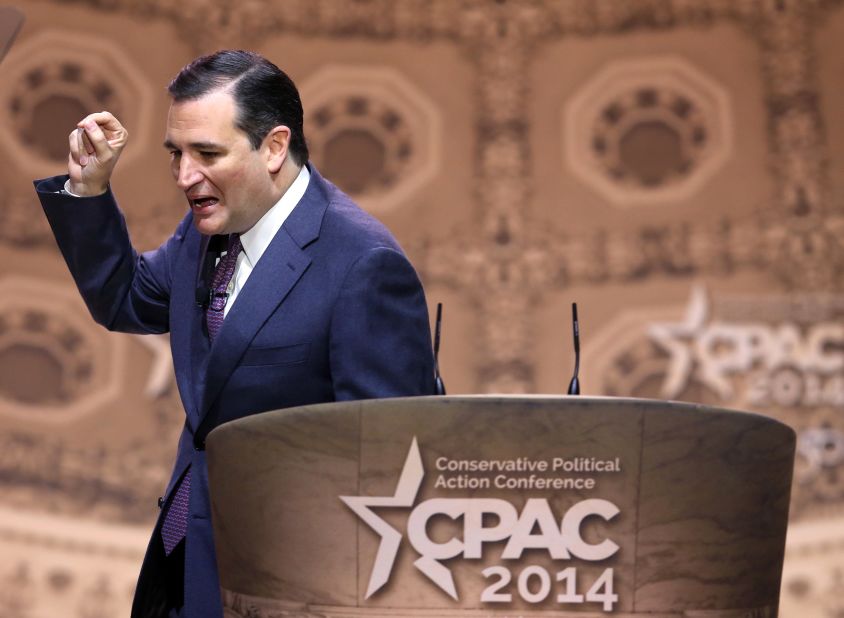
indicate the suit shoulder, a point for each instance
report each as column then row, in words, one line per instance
column 347, row 222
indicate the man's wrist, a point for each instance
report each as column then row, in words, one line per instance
column 67, row 190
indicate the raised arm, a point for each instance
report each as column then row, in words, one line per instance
column 123, row 290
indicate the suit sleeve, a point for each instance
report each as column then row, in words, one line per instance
column 380, row 340
column 123, row 290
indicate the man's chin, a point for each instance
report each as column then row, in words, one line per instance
column 209, row 226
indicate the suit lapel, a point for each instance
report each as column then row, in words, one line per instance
column 209, row 251
column 277, row 272
column 186, row 334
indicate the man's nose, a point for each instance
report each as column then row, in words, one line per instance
column 188, row 174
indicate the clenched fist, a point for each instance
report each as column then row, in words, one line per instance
column 95, row 146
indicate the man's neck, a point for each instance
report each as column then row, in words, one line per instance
column 258, row 237
column 281, row 183
column 285, row 177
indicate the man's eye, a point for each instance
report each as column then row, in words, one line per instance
column 175, row 154
column 208, row 154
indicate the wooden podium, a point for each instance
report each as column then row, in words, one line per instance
column 501, row 506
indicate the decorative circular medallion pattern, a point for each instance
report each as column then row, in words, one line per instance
column 53, row 97
column 44, row 360
column 55, row 79
column 647, row 130
column 372, row 132
column 366, row 144
column 55, row 363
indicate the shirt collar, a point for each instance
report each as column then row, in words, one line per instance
column 256, row 240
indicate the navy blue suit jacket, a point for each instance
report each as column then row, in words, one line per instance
column 332, row 311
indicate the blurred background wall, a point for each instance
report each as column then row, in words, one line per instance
column 676, row 167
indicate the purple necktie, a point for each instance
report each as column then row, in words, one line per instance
column 219, row 284
column 176, row 520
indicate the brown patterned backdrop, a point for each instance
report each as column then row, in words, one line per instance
column 674, row 166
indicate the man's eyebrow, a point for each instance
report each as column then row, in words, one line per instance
column 194, row 145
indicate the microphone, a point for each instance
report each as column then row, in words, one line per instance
column 203, row 296
column 439, row 385
column 574, row 385
column 203, row 293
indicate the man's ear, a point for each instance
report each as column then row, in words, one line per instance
column 278, row 143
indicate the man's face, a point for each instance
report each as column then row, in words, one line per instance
column 228, row 184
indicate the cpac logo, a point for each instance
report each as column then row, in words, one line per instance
column 782, row 365
column 561, row 538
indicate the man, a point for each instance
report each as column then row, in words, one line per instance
column 276, row 289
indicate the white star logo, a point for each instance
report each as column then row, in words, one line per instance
column 678, row 339
column 406, row 490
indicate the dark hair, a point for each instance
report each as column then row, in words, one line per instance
column 265, row 96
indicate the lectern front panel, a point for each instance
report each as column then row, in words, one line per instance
column 501, row 506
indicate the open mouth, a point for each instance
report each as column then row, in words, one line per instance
column 203, row 202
